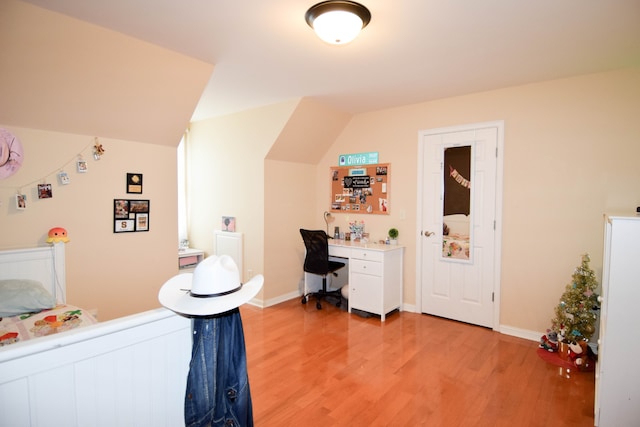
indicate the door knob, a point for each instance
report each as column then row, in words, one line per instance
column 428, row 233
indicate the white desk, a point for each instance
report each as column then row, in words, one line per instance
column 375, row 275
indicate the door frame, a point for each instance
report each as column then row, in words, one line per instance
column 499, row 124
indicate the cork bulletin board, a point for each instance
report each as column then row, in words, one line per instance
column 360, row 189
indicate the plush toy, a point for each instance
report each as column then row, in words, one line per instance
column 549, row 341
column 578, row 354
column 57, row 234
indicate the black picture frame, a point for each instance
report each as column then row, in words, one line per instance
column 134, row 183
column 130, row 215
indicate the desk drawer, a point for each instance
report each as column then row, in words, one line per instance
column 366, row 254
column 339, row 251
column 366, row 267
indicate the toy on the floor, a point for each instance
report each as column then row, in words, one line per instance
column 549, row 341
column 579, row 354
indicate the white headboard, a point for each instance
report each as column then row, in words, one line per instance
column 45, row 264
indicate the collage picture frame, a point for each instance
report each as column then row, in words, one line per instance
column 130, row 215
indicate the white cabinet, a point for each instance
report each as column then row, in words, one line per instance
column 375, row 276
column 617, row 378
column 365, row 286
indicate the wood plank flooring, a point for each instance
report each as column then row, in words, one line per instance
column 326, row 367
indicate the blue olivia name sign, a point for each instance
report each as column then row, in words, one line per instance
column 358, row 159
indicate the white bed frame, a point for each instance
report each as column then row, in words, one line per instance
column 130, row 371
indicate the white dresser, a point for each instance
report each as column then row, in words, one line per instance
column 617, row 401
column 375, row 275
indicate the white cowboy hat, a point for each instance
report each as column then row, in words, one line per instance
column 214, row 287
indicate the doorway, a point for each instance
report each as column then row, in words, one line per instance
column 459, row 222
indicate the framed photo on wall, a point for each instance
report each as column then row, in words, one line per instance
column 130, row 215
column 134, row 183
column 228, row 223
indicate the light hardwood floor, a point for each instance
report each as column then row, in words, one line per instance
column 326, row 367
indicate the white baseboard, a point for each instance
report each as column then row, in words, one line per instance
column 273, row 301
column 521, row 333
column 503, row 329
column 411, row 308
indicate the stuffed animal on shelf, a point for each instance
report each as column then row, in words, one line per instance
column 57, row 234
column 549, row 341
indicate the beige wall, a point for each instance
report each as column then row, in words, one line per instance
column 290, row 196
column 117, row 274
column 259, row 166
column 571, row 152
column 289, row 190
column 226, row 163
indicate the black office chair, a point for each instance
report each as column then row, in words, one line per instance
column 317, row 262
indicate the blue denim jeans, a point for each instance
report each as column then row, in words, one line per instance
column 218, row 385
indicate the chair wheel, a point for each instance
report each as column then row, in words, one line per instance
column 339, row 303
column 304, row 300
column 319, row 306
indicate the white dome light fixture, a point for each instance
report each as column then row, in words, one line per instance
column 337, row 21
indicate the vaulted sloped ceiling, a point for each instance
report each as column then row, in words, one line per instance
column 308, row 133
column 61, row 74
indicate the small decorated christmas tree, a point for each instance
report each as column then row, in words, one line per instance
column 575, row 315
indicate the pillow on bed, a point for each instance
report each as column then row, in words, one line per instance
column 19, row 296
column 457, row 223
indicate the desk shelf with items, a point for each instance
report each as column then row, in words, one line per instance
column 189, row 258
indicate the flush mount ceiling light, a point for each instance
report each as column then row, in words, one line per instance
column 337, row 21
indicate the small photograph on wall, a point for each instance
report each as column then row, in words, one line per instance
column 64, row 179
column 382, row 205
column 228, row 223
column 122, row 226
column 82, row 166
column 45, row 191
column 142, row 222
column 138, row 206
column 21, row 201
column 121, row 209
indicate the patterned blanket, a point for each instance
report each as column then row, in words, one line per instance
column 24, row 327
column 455, row 246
